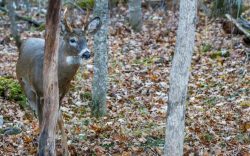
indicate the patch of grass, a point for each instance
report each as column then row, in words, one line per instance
column 206, row 47
column 108, row 145
column 223, row 144
column 11, row 90
column 210, row 101
column 208, row 137
column 137, row 133
column 243, row 138
column 147, row 61
column 203, row 85
column 154, row 142
column 86, row 96
column 86, row 122
column 82, row 110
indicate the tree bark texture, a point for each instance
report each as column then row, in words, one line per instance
column 179, row 76
column 135, row 14
column 13, row 25
column 173, row 5
column 50, row 81
column 100, row 80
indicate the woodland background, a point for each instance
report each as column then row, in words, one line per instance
column 218, row 105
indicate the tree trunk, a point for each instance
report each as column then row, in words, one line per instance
column 13, row 25
column 222, row 7
column 50, row 81
column 172, row 4
column 100, row 80
column 135, row 14
column 179, row 76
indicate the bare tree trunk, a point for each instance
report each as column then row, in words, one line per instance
column 100, row 80
column 179, row 76
column 135, row 14
column 50, row 81
column 13, row 25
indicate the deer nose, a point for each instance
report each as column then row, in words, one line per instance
column 85, row 53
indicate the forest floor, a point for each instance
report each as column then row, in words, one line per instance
column 218, row 107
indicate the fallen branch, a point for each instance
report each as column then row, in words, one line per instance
column 35, row 23
column 238, row 25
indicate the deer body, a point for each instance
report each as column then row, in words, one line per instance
column 29, row 68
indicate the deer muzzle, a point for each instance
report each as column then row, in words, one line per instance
column 85, row 53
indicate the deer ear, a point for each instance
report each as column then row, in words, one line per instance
column 93, row 26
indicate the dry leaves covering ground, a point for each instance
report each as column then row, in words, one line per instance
column 218, row 110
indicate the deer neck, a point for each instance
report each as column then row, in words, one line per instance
column 66, row 67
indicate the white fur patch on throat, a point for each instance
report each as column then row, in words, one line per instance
column 73, row 60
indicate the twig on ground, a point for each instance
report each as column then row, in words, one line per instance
column 238, row 25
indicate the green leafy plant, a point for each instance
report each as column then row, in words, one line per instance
column 86, row 96
column 206, row 47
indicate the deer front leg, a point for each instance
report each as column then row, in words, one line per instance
column 39, row 102
column 64, row 135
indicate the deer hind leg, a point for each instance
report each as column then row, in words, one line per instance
column 64, row 135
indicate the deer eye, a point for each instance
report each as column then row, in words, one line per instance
column 72, row 41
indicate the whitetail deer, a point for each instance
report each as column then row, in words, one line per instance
column 29, row 68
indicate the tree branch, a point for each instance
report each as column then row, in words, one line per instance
column 29, row 20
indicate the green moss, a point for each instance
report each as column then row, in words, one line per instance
column 221, row 53
column 11, row 90
column 86, row 4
